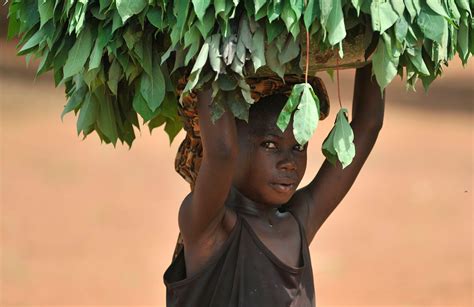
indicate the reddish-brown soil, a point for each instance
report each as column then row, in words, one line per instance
column 89, row 224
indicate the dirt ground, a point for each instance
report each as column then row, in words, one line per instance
column 89, row 224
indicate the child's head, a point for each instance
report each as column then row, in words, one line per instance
column 270, row 163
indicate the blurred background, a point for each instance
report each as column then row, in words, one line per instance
column 84, row 223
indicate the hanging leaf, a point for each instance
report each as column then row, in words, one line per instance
column 344, row 139
column 291, row 104
column 306, row 117
column 384, row 66
column 340, row 141
column 335, row 24
column 328, row 148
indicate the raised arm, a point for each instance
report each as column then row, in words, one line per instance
column 316, row 201
column 203, row 209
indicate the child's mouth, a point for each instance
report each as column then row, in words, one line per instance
column 283, row 187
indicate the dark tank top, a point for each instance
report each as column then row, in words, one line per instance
column 243, row 272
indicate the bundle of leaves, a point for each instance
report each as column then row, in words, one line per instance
column 122, row 58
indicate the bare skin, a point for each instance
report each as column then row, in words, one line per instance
column 259, row 172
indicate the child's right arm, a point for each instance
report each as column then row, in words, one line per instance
column 203, row 209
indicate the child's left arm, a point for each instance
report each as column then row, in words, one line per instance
column 316, row 201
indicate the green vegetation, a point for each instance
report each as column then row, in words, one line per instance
column 122, row 58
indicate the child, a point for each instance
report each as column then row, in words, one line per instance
column 245, row 227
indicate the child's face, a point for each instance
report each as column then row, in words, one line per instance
column 270, row 163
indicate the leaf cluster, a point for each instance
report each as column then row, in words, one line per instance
column 122, row 58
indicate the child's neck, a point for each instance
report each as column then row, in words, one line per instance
column 241, row 203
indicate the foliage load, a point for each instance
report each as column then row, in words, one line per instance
column 122, row 58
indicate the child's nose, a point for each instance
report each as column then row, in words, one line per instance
column 287, row 164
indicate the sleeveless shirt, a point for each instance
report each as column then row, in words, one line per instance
column 243, row 272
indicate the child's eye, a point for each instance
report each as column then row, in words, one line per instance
column 300, row 147
column 269, row 145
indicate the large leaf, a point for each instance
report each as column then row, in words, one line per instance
column 306, row 117
column 383, row 15
column 343, row 139
column 152, row 87
column 200, row 7
column 290, row 106
column 384, row 66
column 128, row 8
column 335, row 24
column 79, row 53
column 432, row 25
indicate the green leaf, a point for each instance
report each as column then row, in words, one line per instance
column 357, row 4
column 258, row 49
column 200, row 7
column 172, row 128
column 157, row 121
column 106, row 117
column 274, row 29
column 238, row 105
column 103, row 37
column 291, row 104
column 383, row 15
column 198, row 65
column 328, row 148
column 326, row 9
column 271, row 57
column 335, row 24
column 417, row 61
column 398, row 6
column 438, row 7
column 128, row 8
column 274, row 10
column 290, row 51
column 385, row 67
column 79, row 53
column 463, row 38
column 140, row 106
column 311, row 12
column 46, row 11
column 401, row 29
column 155, row 16
column 306, row 117
column 218, row 103
column 227, row 82
column 193, row 38
column 115, row 74
column 152, row 87
column 288, row 15
column 344, row 139
column 239, row 58
column 75, row 100
column 431, row 24
column 214, row 54
column 180, row 10
column 87, row 115
column 207, row 24
column 411, row 9
column 297, row 6
column 33, row 42
column 244, row 33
